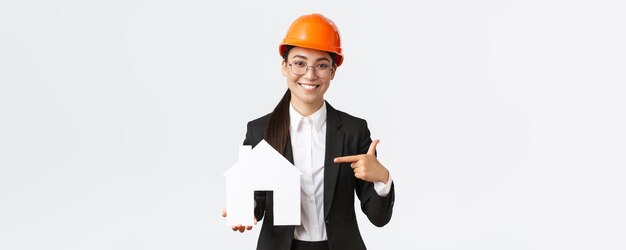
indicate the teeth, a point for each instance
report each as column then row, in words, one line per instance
column 306, row 86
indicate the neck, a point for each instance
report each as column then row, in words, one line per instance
column 306, row 109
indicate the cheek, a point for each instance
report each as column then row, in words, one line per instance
column 292, row 82
column 325, row 89
column 326, row 85
column 292, row 79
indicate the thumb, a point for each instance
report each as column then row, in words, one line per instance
column 372, row 149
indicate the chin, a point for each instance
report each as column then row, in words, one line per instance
column 309, row 99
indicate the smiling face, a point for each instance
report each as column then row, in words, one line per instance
column 307, row 90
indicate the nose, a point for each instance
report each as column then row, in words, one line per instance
column 310, row 73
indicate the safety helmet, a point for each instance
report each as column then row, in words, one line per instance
column 314, row 31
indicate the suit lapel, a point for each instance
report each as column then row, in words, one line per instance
column 334, row 148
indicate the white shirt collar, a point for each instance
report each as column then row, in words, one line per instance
column 317, row 119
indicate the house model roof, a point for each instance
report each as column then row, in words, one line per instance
column 262, row 158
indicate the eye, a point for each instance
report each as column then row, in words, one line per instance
column 299, row 64
column 323, row 66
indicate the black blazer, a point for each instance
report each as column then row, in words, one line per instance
column 345, row 135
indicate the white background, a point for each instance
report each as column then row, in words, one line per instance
column 502, row 122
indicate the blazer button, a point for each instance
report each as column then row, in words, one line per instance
column 327, row 221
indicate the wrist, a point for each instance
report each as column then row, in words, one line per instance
column 385, row 176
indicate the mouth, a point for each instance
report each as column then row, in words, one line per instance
column 309, row 86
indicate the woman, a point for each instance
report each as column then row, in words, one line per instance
column 331, row 148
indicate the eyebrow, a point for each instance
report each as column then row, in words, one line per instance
column 305, row 58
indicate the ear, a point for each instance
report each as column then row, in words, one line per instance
column 283, row 68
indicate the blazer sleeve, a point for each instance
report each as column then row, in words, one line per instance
column 377, row 208
column 259, row 196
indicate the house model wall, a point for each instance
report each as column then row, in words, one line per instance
column 262, row 168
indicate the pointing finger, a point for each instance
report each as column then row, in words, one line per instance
column 351, row 158
column 372, row 149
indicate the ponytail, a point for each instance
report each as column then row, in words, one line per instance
column 277, row 131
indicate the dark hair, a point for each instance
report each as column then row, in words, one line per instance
column 277, row 131
column 333, row 56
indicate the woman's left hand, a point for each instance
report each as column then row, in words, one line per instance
column 365, row 166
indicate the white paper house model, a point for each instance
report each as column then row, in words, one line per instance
column 262, row 169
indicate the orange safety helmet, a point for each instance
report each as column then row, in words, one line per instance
column 314, row 31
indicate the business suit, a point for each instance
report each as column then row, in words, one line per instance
column 345, row 135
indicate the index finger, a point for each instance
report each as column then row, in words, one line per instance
column 350, row 158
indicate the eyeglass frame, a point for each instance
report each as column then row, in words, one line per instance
column 331, row 68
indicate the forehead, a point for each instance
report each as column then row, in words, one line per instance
column 308, row 53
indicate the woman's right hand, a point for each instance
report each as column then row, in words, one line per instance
column 240, row 228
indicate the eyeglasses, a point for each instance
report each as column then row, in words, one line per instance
column 300, row 68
